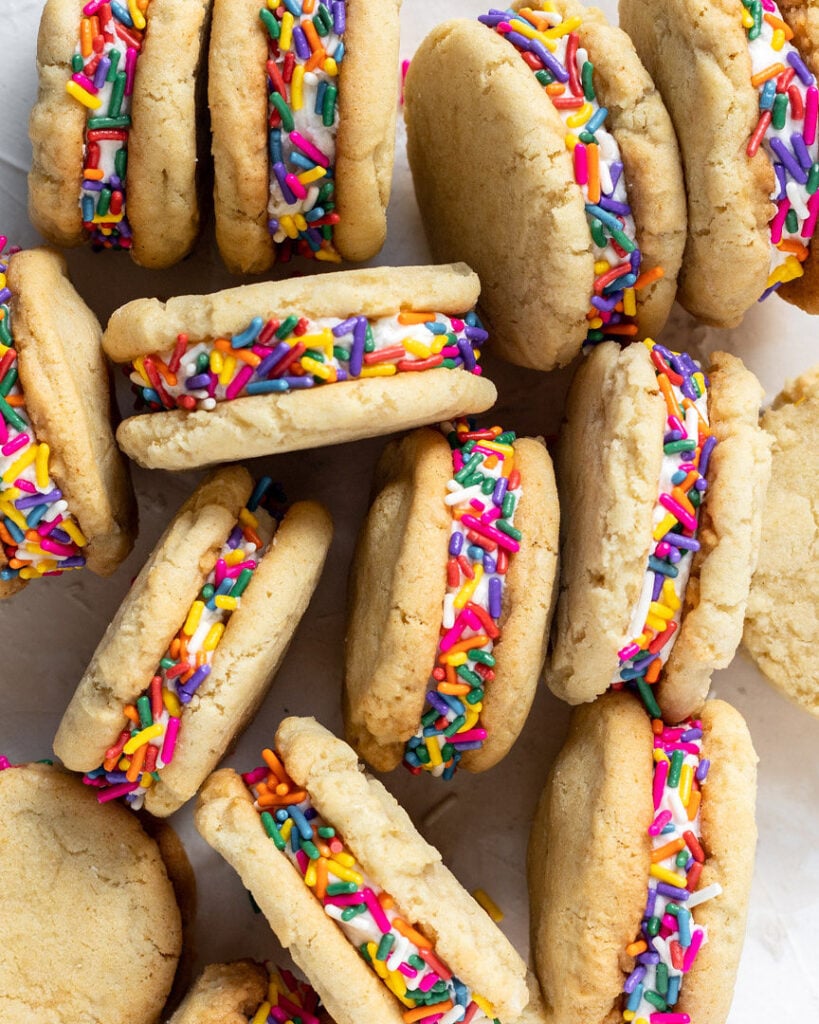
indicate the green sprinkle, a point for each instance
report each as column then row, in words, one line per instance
column 369, row 340
column 144, row 709
column 677, row 759
column 447, row 750
column 271, row 23
column 587, row 137
column 448, row 364
column 792, row 222
column 422, row 754
column 325, row 192
column 384, row 946
column 544, row 77
column 9, row 381
column 508, row 529
column 113, row 56
column 679, row 446
column 317, row 354
column 468, row 676
column 109, row 122
column 104, row 202
column 310, row 849
column 695, row 498
column 350, row 912
column 5, row 333
column 682, row 858
column 240, row 586
column 507, row 437
column 319, row 23
column 281, row 104
column 286, row 327
column 76, row 63
column 653, row 926
column 341, row 354
column 649, row 700
column 779, row 114
column 484, row 657
column 272, row 830
column 117, row 94
column 416, row 962
column 813, row 179
column 474, row 697
column 121, row 163
column 208, row 591
column 488, row 486
column 656, row 1000
column 430, row 717
column 662, row 979
column 623, row 240
column 466, row 471
column 508, row 506
column 598, row 234
column 595, row 335
column 455, row 725
column 202, row 362
column 328, row 107
column 167, row 663
column 341, row 888
column 587, row 80
column 362, row 949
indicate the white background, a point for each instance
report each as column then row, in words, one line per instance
column 48, row 633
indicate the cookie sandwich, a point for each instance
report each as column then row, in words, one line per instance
column 662, row 472
column 303, row 100
column 71, row 867
column 450, row 599
column 65, row 495
column 751, row 151
column 295, row 364
column 191, row 652
column 781, row 624
column 251, row 993
column 115, row 126
column 580, row 236
column 380, row 927
column 640, row 863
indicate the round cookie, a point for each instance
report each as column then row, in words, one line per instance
column 224, row 994
column 253, row 639
column 590, row 856
column 159, row 119
column 393, row 387
column 60, row 399
column 389, row 856
column 475, row 114
column 396, row 602
column 781, row 621
column 358, row 143
column 67, row 864
column 615, row 431
column 702, row 62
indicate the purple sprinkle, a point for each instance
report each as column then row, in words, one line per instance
column 456, row 544
column 345, row 327
column 195, row 383
column 673, row 891
column 339, row 17
column 467, row 745
column 74, row 562
column 651, row 901
column 520, row 42
column 60, row 536
column 195, row 681
column 677, row 539
column 607, row 305
column 489, row 563
column 234, row 538
column 673, row 435
column 495, row 597
column 656, row 590
column 39, row 499
column 101, row 73
column 300, row 43
column 548, row 61
column 341, row 374
column 801, row 150
column 314, row 235
column 674, row 556
column 476, row 334
column 437, row 702
column 649, row 959
column 5, row 295
column 615, row 172
column 781, row 177
column 465, row 348
column 613, row 206
column 493, row 18
column 269, row 361
column 500, row 491
column 634, row 979
column 691, row 734
column 300, row 382
column 357, row 350
column 115, row 182
column 280, row 171
column 92, row 186
column 705, row 455
column 800, row 68
column 788, row 159
column 702, row 770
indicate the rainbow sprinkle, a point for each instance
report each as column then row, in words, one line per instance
column 551, row 48
column 669, row 936
column 275, row 356
column 787, row 131
column 39, row 535
column 104, row 65
column 306, row 46
column 687, row 448
column 484, row 492
column 399, row 954
column 147, row 743
column 289, row 1000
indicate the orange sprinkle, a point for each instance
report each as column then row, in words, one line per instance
column 777, row 23
column 593, row 162
column 653, row 672
column 704, row 429
column 308, row 6
column 454, row 689
column 649, row 277
column 321, row 878
column 628, row 330
column 86, row 37
column 169, row 377
column 694, row 804
column 15, row 400
column 131, row 713
column 295, row 797
column 18, row 563
column 137, row 761
column 312, row 37
column 555, row 89
column 800, row 251
column 466, row 645
column 6, row 537
column 223, row 345
column 667, row 851
column 679, row 495
column 386, row 901
column 93, row 173
column 317, row 58
column 657, row 726
column 274, row 764
column 636, row 948
column 426, row 1011
column 668, row 394
column 538, row 19
column 250, row 534
column 244, row 355
column 173, row 650
column 421, row 941
column 770, row 72
column 409, row 317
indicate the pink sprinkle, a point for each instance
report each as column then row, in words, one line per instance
column 669, row 1018
column 472, row 621
column 407, row 971
column 115, row 792
column 219, row 571
column 4, row 763
column 491, row 515
column 660, row 776
column 627, row 652
column 130, row 69
column 236, row 570
column 351, row 899
column 457, row 461
column 671, row 735
column 662, row 549
column 375, row 908
column 769, row 6
column 238, row 382
column 581, row 164
column 457, row 325
column 307, row 147
column 57, row 549
column 689, row 748
column 429, row 981
column 813, row 213
column 24, row 485
column 4, row 431
column 405, row 64
column 676, row 510
column 296, row 1011
column 45, row 528
column 693, row 949
column 503, row 540
column 169, row 744
column 811, row 111
column 303, row 861
column 670, row 922
column 85, row 83
column 676, row 424
column 778, row 221
column 278, row 1014
column 92, row 7
column 299, row 191
column 477, row 504
column 468, row 736
column 14, row 446
column 452, row 636
column 257, row 775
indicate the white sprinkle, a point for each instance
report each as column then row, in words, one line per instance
column 701, row 895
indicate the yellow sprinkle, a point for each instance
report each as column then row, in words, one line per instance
column 489, row 905
column 380, row 369
column 16, row 468
column 628, row 1015
column 247, row 517
column 234, row 557
column 525, row 29
column 286, row 37
column 41, row 466
column 228, row 366
column 669, row 595
column 493, row 446
column 660, row 610
column 316, row 174
column 456, row 659
column 747, row 18
column 261, row 1015
column 107, row 218
column 137, row 16
column 468, row 589
column 472, row 716
column 434, row 751
column 286, row 829
column 656, row 623
column 601, row 266
column 287, row 225
column 323, row 341
column 664, row 875
column 665, row 524
column 341, row 872
column 396, row 984
column 580, row 116
column 630, row 302
column 699, row 379
column 347, row 859
column 318, row 369
column 146, row 781
column 172, row 703
column 194, row 615
column 297, row 88
column 379, row 966
column 274, row 5
column 564, row 28
column 596, row 323
column 417, row 348
column 438, row 343
column 300, row 222
column 330, row 67
column 778, row 39
column 139, row 739
column 29, row 573
column 485, row 1005
column 74, row 532
column 214, row 635
column 226, row 602
column 328, row 256
column 660, row 755
column 310, row 874
column 216, row 362
column 571, row 141
column 83, row 95
column 686, row 779
column 788, row 271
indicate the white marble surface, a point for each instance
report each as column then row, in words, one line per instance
column 48, row 633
